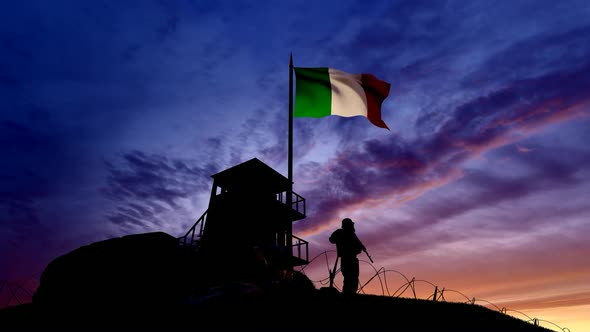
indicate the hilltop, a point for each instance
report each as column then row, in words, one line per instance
column 286, row 312
column 146, row 282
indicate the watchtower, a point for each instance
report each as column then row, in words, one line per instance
column 248, row 214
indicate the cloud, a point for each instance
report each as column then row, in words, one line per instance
column 24, row 181
column 523, row 149
column 489, row 190
column 534, row 56
column 145, row 187
column 18, row 217
column 392, row 168
column 24, row 228
column 560, row 300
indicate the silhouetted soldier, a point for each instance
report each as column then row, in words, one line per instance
column 348, row 246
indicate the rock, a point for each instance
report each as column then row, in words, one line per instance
column 144, row 269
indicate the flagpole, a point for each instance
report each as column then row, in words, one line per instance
column 289, row 239
column 290, row 169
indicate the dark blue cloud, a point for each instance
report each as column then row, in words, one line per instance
column 31, row 167
column 534, row 56
column 72, row 77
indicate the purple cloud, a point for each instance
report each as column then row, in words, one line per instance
column 379, row 168
column 144, row 186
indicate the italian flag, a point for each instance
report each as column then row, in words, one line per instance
column 325, row 91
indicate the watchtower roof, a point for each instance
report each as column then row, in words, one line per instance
column 252, row 174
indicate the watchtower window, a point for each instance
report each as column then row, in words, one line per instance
column 219, row 190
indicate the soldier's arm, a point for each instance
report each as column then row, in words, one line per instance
column 334, row 237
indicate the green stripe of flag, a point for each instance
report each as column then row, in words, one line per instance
column 313, row 95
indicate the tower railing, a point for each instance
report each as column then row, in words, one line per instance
column 192, row 238
column 300, row 246
column 297, row 201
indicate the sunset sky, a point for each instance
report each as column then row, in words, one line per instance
column 114, row 115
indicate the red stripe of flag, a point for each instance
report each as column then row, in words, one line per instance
column 376, row 91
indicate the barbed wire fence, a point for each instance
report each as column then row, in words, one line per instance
column 409, row 285
column 18, row 292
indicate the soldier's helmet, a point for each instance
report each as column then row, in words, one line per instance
column 347, row 222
